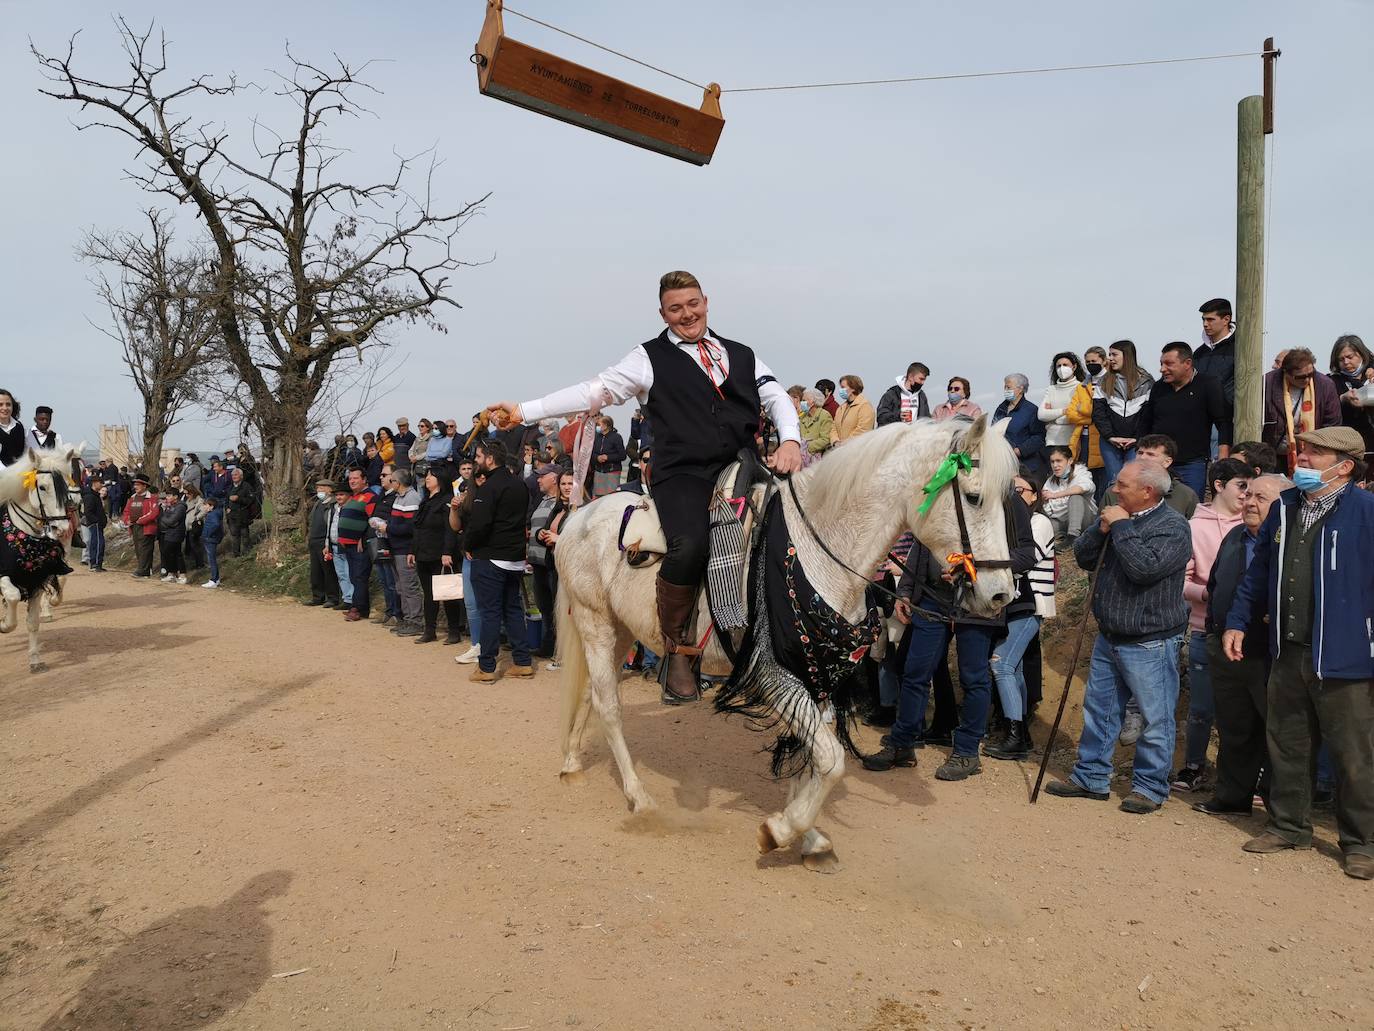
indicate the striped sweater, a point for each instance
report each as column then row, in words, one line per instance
column 1139, row 593
column 400, row 526
column 353, row 516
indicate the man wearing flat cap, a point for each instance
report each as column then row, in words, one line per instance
column 1313, row 578
column 324, row 581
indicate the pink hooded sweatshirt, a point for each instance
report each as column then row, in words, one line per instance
column 1209, row 527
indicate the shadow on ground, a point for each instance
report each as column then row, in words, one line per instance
column 185, row 971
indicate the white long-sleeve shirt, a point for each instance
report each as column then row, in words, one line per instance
column 633, row 376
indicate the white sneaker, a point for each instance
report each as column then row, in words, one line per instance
column 552, row 667
column 468, row 657
column 167, row 578
column 181, row 579
column 210, row 583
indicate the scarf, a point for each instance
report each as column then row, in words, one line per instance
column 795, row 642
column 1306, row 418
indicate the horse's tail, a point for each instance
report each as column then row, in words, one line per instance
column 572, row 658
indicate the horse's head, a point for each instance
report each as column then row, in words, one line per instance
column 36, row 489
column 982, row 485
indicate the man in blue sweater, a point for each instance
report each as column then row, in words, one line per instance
column 1141, row 619
column 1313, row 578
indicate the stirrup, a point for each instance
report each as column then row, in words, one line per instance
column 667, row 697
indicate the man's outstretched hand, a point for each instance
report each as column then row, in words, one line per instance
column 787, row 458
column 511, row 410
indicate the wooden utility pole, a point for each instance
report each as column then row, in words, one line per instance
column 1255, row 120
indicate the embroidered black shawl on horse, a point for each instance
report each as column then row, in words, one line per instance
column 797, row 649
column 30, row 562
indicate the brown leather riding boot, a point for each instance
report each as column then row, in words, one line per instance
column 674, row 606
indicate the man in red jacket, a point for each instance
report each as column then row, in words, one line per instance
column 140, row 516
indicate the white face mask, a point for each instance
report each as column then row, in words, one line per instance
column 321, row 494
column 1064, row 372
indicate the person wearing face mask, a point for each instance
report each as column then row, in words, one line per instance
column 957, row 404
column 1311, row 575
column 1089, row 439
column 324, row 581
column 905, row 401
column 1352, row 372
column 855, row 414
column 816, row 424
column 608, row 458
column 1067, row 404
column 1025, row 431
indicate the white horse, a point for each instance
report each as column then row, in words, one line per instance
column 33, row 516
column 858, row 501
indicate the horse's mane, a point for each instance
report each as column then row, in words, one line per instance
column 833, row 484
column 12, row 476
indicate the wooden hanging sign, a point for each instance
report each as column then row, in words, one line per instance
column 539, row 81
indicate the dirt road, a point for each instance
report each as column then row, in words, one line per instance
column 222, row 812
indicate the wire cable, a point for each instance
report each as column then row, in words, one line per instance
column 617, row 53
column 988, row 75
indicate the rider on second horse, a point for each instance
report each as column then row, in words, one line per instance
column 702, row 394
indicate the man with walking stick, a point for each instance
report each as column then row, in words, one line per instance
column 1141, row 618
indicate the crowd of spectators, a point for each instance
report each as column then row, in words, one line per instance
column 1244, row 564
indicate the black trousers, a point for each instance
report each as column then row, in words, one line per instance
column 238, row 535
column 682, row 503
column 324, row 580
column 1240, row 690
column 194, row 548
column 545, row 592
column 172, row 559
column 453, row 610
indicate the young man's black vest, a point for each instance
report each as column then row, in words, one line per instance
column 697, row 432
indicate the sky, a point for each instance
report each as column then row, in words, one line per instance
column 978, row 225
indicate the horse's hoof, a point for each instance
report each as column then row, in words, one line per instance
column 821, row 862
column 767, row 843
column 38, row 667
column 573, row 778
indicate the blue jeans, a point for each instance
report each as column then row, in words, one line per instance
column 386, row 573
column 499, row 602
column 1148, row 672
column 1113, row 458
column 1202, row 708
column 360, row 573
column 470, row 603
column 928, row 647
column 341, row 570
column 95, row 544
column 1006, row 665
column 1194, row 474
column 212, row 556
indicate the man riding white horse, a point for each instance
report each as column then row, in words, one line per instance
column 702, row 393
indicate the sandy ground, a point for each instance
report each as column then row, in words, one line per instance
column 217, row 811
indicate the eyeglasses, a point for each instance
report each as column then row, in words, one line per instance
column 1025, row 490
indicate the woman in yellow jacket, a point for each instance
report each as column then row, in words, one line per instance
column 855, row 414
column 1080, row 415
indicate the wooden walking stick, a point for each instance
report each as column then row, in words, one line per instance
column 1073, row 665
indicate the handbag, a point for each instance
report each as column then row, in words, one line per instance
column 447, row 586
column 377, row 548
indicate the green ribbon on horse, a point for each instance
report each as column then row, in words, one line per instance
column 949, row 469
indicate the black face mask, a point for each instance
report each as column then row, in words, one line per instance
column 1093, row 368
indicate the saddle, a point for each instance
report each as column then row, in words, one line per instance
column 737, row 506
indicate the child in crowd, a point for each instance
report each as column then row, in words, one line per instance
column 1068, row 497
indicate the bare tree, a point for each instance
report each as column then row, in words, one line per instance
column 307, row 266
column 162, row 313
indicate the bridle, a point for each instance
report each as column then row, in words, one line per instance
column 39, row 521
column 963, row 565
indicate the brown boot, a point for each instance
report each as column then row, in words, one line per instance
column 674, row 606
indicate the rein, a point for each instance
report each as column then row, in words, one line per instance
column 40, row 520
column 963, row 565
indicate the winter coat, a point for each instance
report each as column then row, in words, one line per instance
column 1362, row 418
column 171, row 522
column 965, row 409
column 1119, row 414
column 853, row 417
column 1025, row 431
column 433, row 539
column 1080, row 416
column 400, row 523
column 610, row 445
column 496, row 529
column 1343, row 590
column 1209, row 528
column 898, row 400
column 1275, row 430
column 816, row 427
